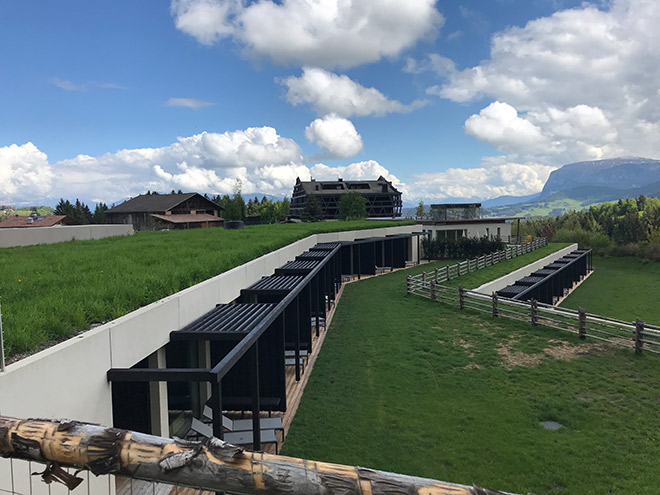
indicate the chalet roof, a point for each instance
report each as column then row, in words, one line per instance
column 45, row 221
column 198, row 218
column 344, row 186
column 157, row 203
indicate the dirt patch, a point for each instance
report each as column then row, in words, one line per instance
column 512, row 358
column 472, row 366
column 565, row 351
column 558, row 349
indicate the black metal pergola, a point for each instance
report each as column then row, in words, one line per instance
column 248, row 338
column 551, row 281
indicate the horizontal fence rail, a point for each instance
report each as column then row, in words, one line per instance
column 637, row 335
column 420, row 284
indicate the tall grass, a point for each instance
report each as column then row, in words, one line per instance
column 51, row 292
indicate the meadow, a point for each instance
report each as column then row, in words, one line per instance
column 625, row 288
column 413, row 386
column 51, row 292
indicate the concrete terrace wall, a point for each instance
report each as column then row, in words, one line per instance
column 29, row 236
column 525, row 271
column 68, row 380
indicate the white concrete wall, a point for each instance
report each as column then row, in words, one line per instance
column 28, row 236
column 68, row 380
column 525, row 271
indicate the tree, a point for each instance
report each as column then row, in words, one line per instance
column 352, row 206
column 312, row 211
column 420, row 211
column 235, row 208
column 99, row 213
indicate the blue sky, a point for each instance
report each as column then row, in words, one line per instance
column 451, row 99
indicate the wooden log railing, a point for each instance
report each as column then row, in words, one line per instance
column 212, row 465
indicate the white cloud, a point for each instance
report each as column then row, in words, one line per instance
column 338, row 94
column 583, row 84
column 206, row 20
column 335, row 135
column 24, row 172
column 496, row 177
column 193, row 103
column 367, row 170
column 323, row 33
column 498, row 124
column 71, row 86
column 207, row 163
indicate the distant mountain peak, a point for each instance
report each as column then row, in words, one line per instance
column 616, row 173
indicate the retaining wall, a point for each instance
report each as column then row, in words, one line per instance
column 29, row 236
column 525, row 271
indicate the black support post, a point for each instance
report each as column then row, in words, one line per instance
column 256, row 406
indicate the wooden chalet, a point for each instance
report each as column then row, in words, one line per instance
column 383, row 200
column 167, row 211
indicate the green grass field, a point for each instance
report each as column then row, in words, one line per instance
column 51, row 292
column 412, row 386
column 623, row 288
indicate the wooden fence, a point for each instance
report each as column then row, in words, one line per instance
column 454, row 271
column 637, row 335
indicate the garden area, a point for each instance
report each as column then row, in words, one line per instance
column 50, row 292
column 413, row 386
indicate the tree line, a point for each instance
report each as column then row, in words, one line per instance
column 80, row 212
column 626, row 227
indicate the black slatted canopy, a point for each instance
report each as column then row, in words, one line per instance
column 225, row 322
column 313, row 255
column 300, row 267
column 325, row 246
column 275, row 285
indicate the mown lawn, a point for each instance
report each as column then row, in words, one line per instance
column 408, row 385
column 51, row 292
column 623, row 288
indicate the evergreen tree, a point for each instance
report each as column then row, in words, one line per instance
column 352, row 206
column 99, row 213
column 312, row 211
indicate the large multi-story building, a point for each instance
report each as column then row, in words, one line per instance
column 383, row 200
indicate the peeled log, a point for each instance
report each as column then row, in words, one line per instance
column 211, row 464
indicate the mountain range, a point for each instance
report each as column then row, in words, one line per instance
column 578, row 185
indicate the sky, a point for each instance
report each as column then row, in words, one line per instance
column 448, row 99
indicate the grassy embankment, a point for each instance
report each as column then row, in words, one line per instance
column 413, row 386
column 473, row 280
column 50, row 292
column 624, row 288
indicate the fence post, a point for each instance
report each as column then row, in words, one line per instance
column 461, row 297
column 467, row 261
column 458, row 269
column 582, row 329
column 423, row 276
column 495, row 310
column 639, row 336
column 534, row 312
column 433, row 298
column 447, row 271
column 436, row 275
column 408, row 284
